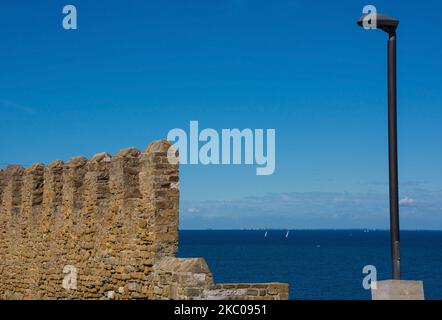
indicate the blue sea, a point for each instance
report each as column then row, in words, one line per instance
column 319, row 264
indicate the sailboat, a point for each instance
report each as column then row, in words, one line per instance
column 265, row 235
column 287, row 234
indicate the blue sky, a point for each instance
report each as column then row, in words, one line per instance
column 132, row 72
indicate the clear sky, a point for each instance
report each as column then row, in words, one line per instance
column 136, row 69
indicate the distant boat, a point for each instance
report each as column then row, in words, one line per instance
column 265, row 235
column 318, row 246
column 287, row 234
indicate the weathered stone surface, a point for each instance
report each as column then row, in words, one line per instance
column 398, row 290
column 104, row 228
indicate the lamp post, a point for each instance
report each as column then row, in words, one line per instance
column 389, row 25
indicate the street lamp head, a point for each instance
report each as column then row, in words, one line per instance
column 383, row 22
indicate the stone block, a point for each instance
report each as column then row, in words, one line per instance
column 398, row 290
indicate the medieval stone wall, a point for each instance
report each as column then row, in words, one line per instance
column 101, row 228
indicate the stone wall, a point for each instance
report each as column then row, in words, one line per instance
column 103, row 228
column 183, row 279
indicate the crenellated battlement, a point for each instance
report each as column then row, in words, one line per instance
column 111, row 217
column 102, row 228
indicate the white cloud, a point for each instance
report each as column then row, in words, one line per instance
column 314, row 210
column 407, row 201
column 16, row 106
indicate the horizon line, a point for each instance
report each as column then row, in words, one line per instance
column 312, row 229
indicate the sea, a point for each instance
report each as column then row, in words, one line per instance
column 317, row 264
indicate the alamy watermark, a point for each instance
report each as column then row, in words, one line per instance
column 369, row 281
column 230, row 146
column 70, row 19
column 70, row 278
column 370, row 20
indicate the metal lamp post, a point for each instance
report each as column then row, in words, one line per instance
column 389, row 25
